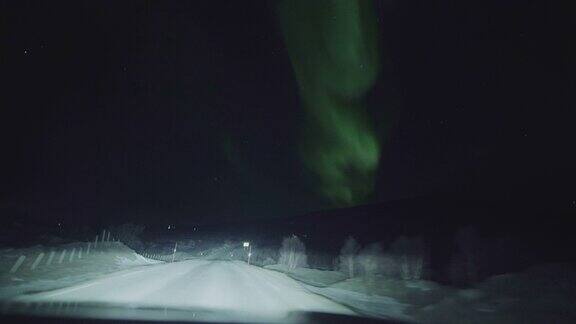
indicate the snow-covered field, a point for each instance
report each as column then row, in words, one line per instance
column 311, row 277
column 350, row 292
column 117, row 279
column 57, row 266
column 539, row 295
column 543, row 294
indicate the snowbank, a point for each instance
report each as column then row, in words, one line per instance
column 371, row 305
column 355, row 293
column 539, row 295
column 46, row 268
column 542, row 294
column 313, row 277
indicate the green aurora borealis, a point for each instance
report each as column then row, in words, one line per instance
column 334, row 52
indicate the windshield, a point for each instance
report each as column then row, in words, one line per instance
column 288, row 161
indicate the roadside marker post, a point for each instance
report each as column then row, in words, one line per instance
column 247, row 245
column 50, row 257
column 62, row 257
column 174, row 252
column 17, row 264
column 37, row 261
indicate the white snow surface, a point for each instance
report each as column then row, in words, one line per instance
column 326, row 283
column 372, row 305
column 60, row 272
column 229, row 287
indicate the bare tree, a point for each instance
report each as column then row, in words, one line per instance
column 370, row 265
column 263, row 256
column 293, row 253
column 411, row 257
column 372, row 261
column 347, row 258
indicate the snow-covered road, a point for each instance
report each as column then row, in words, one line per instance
column 221, row 286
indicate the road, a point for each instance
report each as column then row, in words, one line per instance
column 222, row 286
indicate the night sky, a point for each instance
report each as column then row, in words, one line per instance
column 191, row 110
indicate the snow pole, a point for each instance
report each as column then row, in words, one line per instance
column 37, row 261
column 249, row 253
column 62, row 257
column 17, row 264
column 50, row 257
column 174, row 252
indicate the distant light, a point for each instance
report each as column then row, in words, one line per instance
column 168, row 226
column 246, row 244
